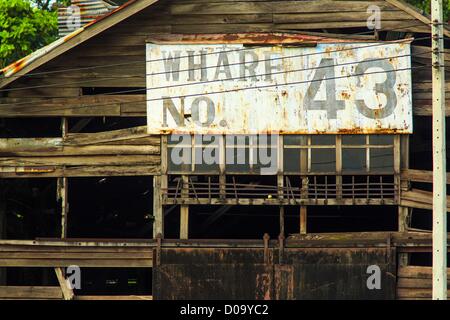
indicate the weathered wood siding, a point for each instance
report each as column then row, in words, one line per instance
column 120, row 152
column 414, row 283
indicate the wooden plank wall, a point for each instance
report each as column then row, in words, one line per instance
column 119, row 152
column 99, row 254
column 123, row 48
column 422, row 80
column 414, row 283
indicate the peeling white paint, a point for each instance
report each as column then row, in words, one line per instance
column 285, row 100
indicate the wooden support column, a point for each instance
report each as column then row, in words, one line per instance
column 339, row 166
column 280, row 179
column 62, row 192
column 184, row 210
column 160, row 184
column 304, row 180
column 404, row 213
column 62, row 186
column 222, row 176
column 65, row 287
column 397, row 169
column 158, row 217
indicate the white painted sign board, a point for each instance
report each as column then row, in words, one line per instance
column 330, row 88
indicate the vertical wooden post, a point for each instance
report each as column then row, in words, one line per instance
column 67, row 291
column 184, row 210
column 280, row 179
column 159, row 184
column 158, row 218
column 304, row 190
column 339, row 166
column 62, row 186
column 62, row 191
column 222, row 159
column 403, row 212
column 397, row 169
column 439, row 155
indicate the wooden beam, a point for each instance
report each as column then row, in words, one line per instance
column 78, row 171
column 419, row 199
column 30, row 292
column 303, row 219
column 23, row 253
column 62, row 197
column 184, row 210
column 108, row 136
column 158, row 216
column 420, row 175
column 66, row 290
column 280, row 180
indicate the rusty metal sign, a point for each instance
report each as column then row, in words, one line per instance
column 333, row 88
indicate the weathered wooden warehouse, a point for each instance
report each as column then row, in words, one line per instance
column 87, row 178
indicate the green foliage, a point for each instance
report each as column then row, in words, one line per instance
column 24, row 28
column 425, row 5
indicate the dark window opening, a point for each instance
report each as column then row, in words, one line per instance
column 111, row 207
column 233, row 222
column 30, row 127
column 352, row 218
column 18, row 276
column 31, row 208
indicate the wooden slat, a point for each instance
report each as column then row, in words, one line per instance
column 420, row 175
column 423, row 108
column 323, row 17
column 107, row 136
column 85, row 151
column 30, row 292
column 274, row 7
column 78, row 171
column 116, row 160
column 415, row 282
column 42, row 254
column 67, row 291
column 419, row 199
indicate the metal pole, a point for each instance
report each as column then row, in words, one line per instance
column 439, row 161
